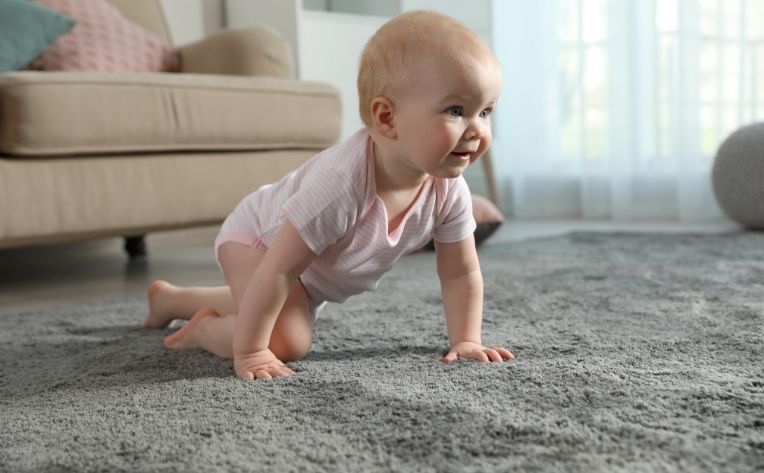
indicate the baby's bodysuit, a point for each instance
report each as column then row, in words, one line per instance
column 331, row 201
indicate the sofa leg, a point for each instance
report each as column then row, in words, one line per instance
column 135, row 246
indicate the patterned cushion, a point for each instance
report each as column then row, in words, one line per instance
column 26, row 30
column 104, row 40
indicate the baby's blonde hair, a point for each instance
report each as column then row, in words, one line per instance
column 388, row 61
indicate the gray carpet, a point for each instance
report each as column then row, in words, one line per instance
column 634, row 353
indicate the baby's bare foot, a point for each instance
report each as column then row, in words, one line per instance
column 159, row 314
column 186, row 336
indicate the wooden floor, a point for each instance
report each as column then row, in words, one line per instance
column 46, row 276
column 42, row 277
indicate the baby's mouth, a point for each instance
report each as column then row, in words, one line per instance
column 463, row 155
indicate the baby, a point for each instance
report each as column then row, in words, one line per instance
column 332, row 228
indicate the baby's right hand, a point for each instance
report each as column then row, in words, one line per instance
column 261, row 364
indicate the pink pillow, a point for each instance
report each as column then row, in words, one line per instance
column 104, row 40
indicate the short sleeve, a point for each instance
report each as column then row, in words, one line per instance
column 455, row 221
column 322, row 209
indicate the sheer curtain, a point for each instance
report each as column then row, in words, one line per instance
column 614, row 109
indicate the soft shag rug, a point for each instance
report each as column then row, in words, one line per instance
column 634, row 353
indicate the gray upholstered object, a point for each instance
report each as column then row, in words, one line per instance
column 738, row 176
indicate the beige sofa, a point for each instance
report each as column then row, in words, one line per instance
column 87, row 155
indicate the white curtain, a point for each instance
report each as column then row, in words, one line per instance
column 614, row 109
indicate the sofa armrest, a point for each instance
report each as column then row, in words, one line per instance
column 255, row 51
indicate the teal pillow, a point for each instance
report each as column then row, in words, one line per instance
column 26, row 30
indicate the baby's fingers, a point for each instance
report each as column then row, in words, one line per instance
column 282, row 371
column 506, row 354
column 273, row 372
column 479, row 355
column 450, row 357
column 263, row 374
column 493, row 355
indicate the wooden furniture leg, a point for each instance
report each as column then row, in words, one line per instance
column 135, row 246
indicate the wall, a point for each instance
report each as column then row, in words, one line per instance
column 475, row 14
column 334, row 58
column 191, row 20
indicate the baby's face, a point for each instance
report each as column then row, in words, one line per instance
column 443, row 119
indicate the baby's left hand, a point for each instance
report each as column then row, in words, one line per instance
column 477, row 352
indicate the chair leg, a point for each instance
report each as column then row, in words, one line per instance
column 135, row 246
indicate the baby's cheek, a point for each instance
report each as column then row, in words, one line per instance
column 486, row 141
column 443, row 142
column 487, row 135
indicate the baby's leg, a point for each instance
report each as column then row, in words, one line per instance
column 293, row 332
column 290, row 339
column 168, row 302
column 206, row 330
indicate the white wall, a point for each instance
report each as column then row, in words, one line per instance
column 366, row 7
column 475, row 14
column 191, row 20
column 330, row 46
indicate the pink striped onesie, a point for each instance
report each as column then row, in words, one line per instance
column 332, row 203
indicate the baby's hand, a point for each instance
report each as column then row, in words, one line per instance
column 477, row 352
column 261, row 364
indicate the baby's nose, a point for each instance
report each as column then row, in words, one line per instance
column 472, row 133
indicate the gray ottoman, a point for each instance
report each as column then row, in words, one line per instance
column 738, row 176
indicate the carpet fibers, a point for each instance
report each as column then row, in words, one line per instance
column 634, row 353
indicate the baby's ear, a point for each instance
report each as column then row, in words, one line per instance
column 383, row 117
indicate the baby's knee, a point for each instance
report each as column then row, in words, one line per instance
column 291, row 347
column 293, row 332
column 290, row 341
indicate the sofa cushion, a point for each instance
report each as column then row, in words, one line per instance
column 104, row 40
column 90, row 113
column 48, row 199
column 26, row 29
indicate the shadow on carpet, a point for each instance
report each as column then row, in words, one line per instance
column 634, row 353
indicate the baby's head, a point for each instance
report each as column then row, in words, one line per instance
column 395, row 59
column 427, row 86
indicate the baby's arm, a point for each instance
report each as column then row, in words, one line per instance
column 462, row 287
column 262, row 302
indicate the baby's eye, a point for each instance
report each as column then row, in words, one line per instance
column 455, row 111
column 485, row 113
